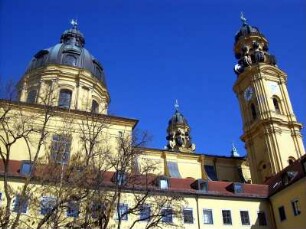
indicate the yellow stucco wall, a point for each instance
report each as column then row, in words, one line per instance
column 296, row 191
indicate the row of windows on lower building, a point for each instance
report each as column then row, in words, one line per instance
column 47, row 203
column 295, row 210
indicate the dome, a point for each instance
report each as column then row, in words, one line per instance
column 177, row 118
column 71, row 52
column 247, row 30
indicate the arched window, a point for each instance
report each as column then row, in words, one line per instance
column 95, row 107
column 253, row 110
column 64, row 98
column 276, row 104
column 32, row 96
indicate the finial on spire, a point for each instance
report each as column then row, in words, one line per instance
column 234, row 151
column 176, row 105
column 74, row 23
column 243, row 19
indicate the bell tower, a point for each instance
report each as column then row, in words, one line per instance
column 270, row 130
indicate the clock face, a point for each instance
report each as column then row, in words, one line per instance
column 248, row 93
column 274, row 88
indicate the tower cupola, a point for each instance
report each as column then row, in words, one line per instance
column 178, row 131
column 251, row 47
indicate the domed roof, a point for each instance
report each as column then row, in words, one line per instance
column 246, row 30
column 178, row 118
column 71, row 52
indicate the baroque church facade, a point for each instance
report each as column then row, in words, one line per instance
column 60, row 123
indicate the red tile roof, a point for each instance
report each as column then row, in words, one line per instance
column 281, row 180
column 177, row 185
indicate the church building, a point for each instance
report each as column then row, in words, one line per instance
column 67, row 163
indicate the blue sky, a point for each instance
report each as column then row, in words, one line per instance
column 156, row 51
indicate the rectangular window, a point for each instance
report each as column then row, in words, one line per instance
column 60, row 148
column 47, row 204
column 282, row 213
column 262, row 219
column 227, row 218
column 21, row 204
column 208, row 216
column 295, row 207
column 26, row 168
column 97, row 210
column 167, row 215
column 120, row 178
column 145, row 213
column 64, row 99
column 73, row 209
column 188, row 216
column 211, row 172
column 173, row 169
column 122, row 212
column 244, row 215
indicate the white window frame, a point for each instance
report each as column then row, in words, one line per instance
column 212, row 216
column 245, row 210
column 188, row 209
column 230, row 215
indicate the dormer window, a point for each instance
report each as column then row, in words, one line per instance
column 288, row 177
column 26, row 168
column 70, row 60
column 163, row 182
column 238, row 188
column 120, row 178
column 200, row 185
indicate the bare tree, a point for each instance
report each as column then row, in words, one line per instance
column 19, row 125
column 86, row 188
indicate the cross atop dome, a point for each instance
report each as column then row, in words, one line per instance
column 74, row 23
column 243, row 19
column 176, row 105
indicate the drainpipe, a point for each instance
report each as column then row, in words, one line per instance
column 198, row 212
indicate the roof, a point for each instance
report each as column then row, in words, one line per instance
column 288, row 176
column 133, row 122
column 70, row 52
column 176, row 185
